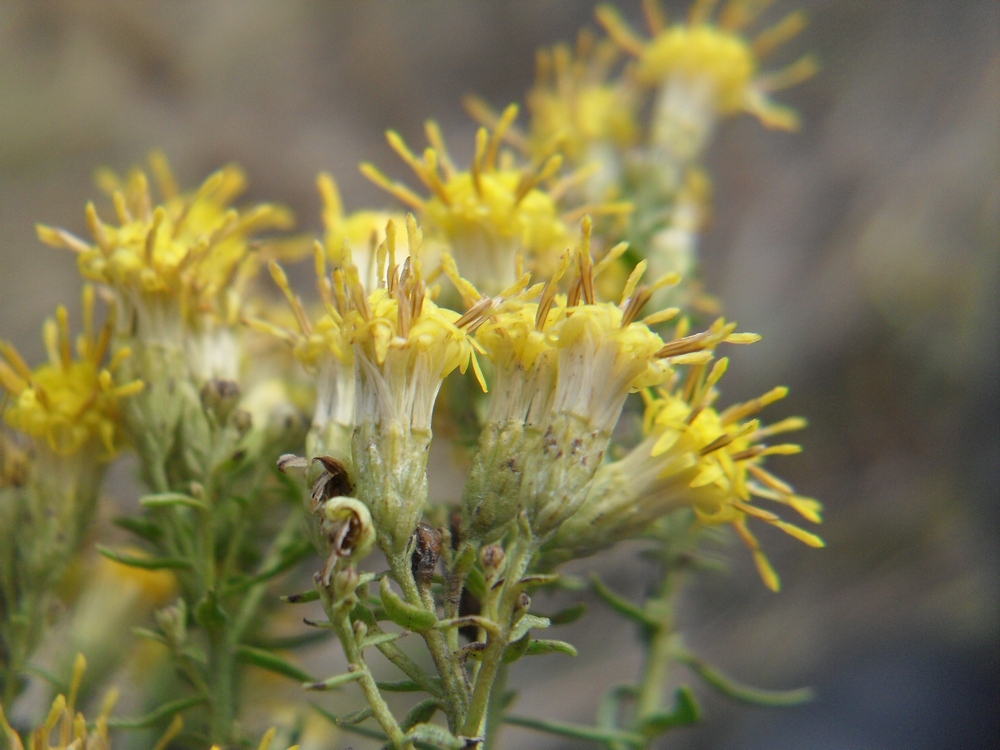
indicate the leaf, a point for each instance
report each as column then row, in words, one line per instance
column 172, row 500
column 151, row 635
column 685, row 713
column 355, row 717
column 147, row 563
column 536, row 648
column 743, row 693
column 517, row 649
column 420, row 713
column 141, row 527
column 156, row 715
column 334, row 682
column 273, row 663
column 403, row 614
column 364, row 614
column 621, row 605
column 526, row 623
column 568, row 615
column 435, row 735
column 304, row 598
column 476, row 583
column 578, row 731
column 540, row 579
column 363, row 731
column 404, row 686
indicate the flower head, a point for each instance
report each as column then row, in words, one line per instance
column 176, row 263
column 706, row 69
column 404, row 344
column 489, row 215
column 68, row 404
column 564, row 367
column 692, row 457
column 575, row 107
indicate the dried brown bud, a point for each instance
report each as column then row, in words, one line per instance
column 426, row 552
column 333, row 482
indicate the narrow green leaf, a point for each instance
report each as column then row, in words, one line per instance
column 743, row 693
column 540, row 579
column 364, row 614
column 148, row 563
column 305, row 597
column 536, row 648
column 420, row 713
column 272, row 663
column 403, row 614
column 170, row 500
column 476, row 583
column 577, row 731
column 517, row 649
column 686, row 712
column 621, row 605
column 151, row 635
column 435, row 735
column 404, row 686
column 526, row 623
column 156, row 715
column 334, row 682
column 355, row 717
column 141, row 527
column 363, row 731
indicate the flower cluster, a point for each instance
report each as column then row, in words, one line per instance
column 557, row 266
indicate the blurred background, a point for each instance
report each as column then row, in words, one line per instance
column 864, row 249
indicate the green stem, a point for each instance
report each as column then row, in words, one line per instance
column 659, row 649
column 495, row 709
column 475, row 721
column 444, row 659
column 222, row 677
column 380, row 709
column 654, row 676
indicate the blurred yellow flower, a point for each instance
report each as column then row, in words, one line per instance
column 68, row 403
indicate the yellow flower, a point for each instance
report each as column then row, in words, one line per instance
column 705, row 69
column 362, row 231
column 564, row 367
column 176, row 263
column 490, row 215
column 692, row 457
column 574, row 107
column 68, row 404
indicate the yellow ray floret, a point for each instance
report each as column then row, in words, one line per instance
column 68, row 403
column 192, row 247
column 729, row 447
column 716, row 53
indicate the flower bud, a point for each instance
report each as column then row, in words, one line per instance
column 493, row 559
